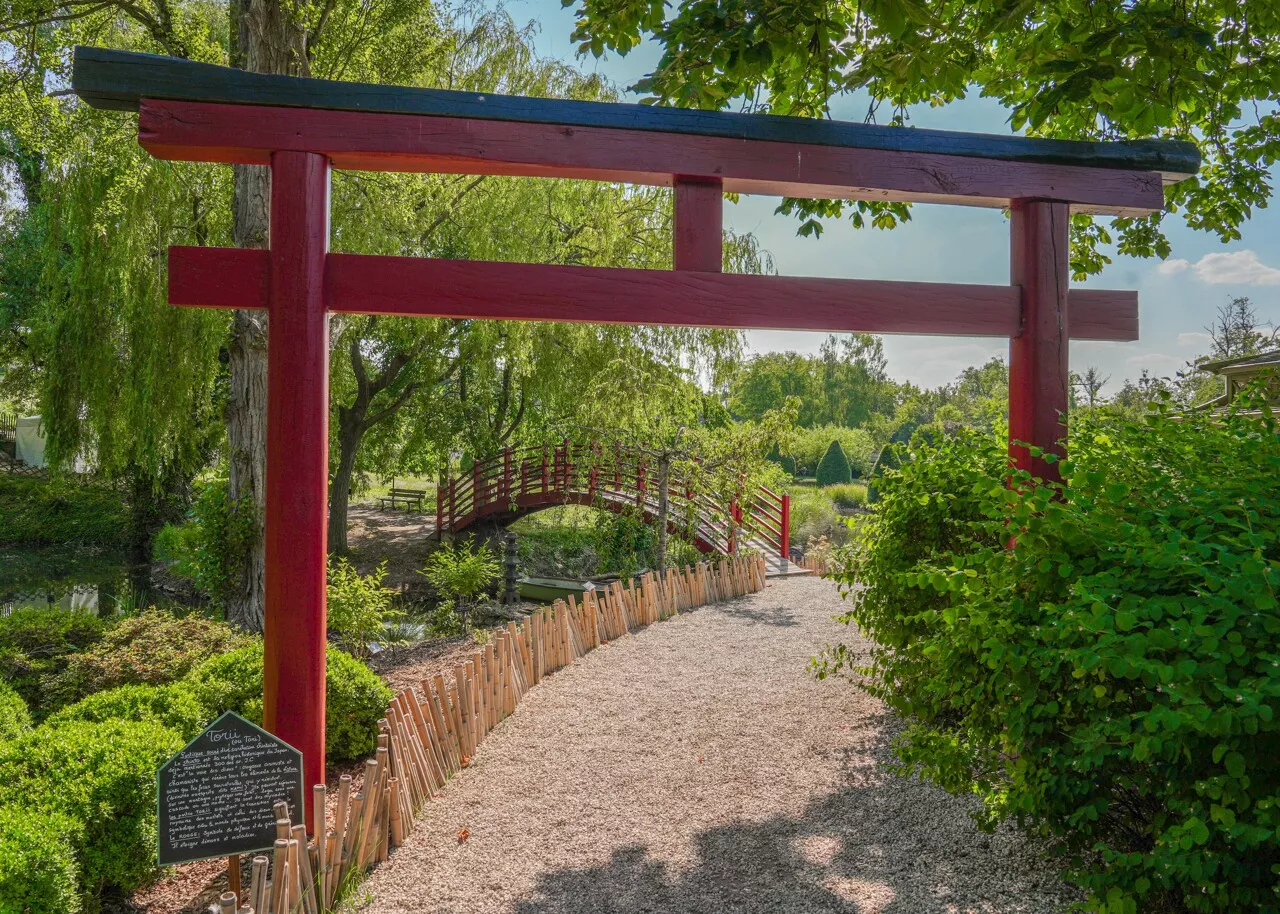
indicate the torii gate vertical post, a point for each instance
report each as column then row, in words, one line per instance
column 1038, row 372
column 297, row 461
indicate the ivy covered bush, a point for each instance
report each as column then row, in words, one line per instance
column 355, row 697
column 1110, row 682
column 102, row 778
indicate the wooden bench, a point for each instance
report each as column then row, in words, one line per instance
column 410, row 498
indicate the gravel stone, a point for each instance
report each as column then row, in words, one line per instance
column 697, row 766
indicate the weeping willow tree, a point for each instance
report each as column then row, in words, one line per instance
column 129, row 384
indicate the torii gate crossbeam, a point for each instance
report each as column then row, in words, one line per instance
column 303, row 128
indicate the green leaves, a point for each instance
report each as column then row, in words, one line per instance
column 1109, row 682
column 1108, row 70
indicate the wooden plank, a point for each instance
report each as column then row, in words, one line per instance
column 362, row 141
column 1038, row 377
column 237, row 278
column 120, row 79
column 699, row 225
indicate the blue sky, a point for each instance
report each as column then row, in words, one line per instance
column 966, row 244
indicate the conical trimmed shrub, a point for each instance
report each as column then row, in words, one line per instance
column 833, row 469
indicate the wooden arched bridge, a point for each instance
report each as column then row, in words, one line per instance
column 520, row 481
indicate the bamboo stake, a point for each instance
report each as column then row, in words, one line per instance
column 227, row 903
column 258, row 883
column 280, row 860
column 397, row 821
column 306, row 882
column 384, row 827
column 352, row 838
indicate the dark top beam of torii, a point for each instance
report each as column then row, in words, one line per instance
column 303, row 128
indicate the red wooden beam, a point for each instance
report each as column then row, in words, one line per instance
column 366, row 141
column 1038, row 376
column 411, row 286
column 699, row 225
column 297, row 461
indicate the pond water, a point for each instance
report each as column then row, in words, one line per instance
column 67, row 577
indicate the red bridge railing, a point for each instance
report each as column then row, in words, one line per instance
column 516, row 481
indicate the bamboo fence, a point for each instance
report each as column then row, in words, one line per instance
column 429, row 736
column 819, row 563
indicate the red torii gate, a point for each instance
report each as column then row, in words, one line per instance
column 302, row 128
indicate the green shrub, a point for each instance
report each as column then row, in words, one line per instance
column 35, row 644
column 61, row 511
column 209, row 547
column 355, row 697
column 50, row 632
column 1109, row 682
column 810, row 444
column 153, row 648
column 462, row 571
column 785, row 461
column 834, row 468
column 359, row 605
column 173, row 706
column 15, row 719
column 103, row 775
column 38, row 871
column 850, row 495
column 813, row 515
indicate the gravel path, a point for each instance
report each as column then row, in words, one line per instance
column 697, row 767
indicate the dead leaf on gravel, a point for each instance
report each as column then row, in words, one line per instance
column 464, row 835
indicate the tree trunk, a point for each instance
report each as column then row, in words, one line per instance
column 664, row 508
column 350, row 432
column 247, row 409
column 264, row 40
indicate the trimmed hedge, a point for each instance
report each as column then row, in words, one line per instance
column 38, row 871
column 153, row 648
column 833, row 469
column 1110, row 681
column 173, row 706
column 355, row 697
column 35, row 644
column 14, row 717
column 103, row 776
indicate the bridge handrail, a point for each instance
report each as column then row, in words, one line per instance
column 625, row 475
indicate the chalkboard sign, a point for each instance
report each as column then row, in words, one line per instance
column 216, row 795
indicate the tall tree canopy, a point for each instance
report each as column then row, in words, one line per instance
column 845, row 384
column 1208, row 72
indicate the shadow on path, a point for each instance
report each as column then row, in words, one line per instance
column 868, row 847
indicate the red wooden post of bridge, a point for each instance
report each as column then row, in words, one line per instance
column 506, row 474
column 301, row 128
column 785, row 524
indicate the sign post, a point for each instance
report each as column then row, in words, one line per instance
column 216, row 797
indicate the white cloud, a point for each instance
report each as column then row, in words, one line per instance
column 1196, row 339
column 1158, row 363
column 1236, row 268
